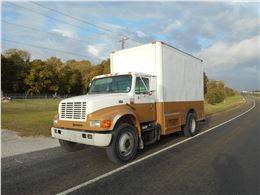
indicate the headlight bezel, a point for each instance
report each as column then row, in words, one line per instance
column 95, row 123
column 100, row 123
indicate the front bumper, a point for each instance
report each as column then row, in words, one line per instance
column 94, row 139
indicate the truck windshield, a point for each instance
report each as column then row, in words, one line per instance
column 113, row 84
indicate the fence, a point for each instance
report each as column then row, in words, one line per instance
column 41, row 96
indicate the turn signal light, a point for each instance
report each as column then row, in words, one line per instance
column 106, row 123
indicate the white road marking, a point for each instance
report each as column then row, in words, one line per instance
column 18, row 161
column 149, row 156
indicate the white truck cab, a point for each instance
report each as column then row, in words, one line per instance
column 146, row 95
column 106, row 93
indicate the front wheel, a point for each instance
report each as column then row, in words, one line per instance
column 123, row 147
column 191, row 126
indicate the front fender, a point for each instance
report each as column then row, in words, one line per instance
column 114, row 113
column 133, row 115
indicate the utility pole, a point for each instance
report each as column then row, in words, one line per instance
column 123, row 39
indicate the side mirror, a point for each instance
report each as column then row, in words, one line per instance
column 151, row 92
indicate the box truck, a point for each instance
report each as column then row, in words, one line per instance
column 152, row 90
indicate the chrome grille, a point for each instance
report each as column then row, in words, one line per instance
column 73, row 110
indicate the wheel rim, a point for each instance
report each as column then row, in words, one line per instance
column 126, row 144
column 193, row 125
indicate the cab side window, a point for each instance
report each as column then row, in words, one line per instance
column 139, row 86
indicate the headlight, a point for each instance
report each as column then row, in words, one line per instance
column 55, row 119
column 94, row 123
column 98, row 123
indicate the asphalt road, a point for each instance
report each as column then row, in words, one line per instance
column 222, row 161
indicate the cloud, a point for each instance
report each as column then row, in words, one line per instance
column 140, row 34
column 172, row 25
column 246, row 24
column 64, row 33
column 235, row 63
column 97, row 51
column 92, row 50
column 224, row 34
column 222, row 54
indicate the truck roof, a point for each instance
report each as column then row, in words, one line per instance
column 180, row 50
column 154, row 42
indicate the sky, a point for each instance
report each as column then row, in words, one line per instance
column 225, row 35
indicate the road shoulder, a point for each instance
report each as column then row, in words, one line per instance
column 12, row 144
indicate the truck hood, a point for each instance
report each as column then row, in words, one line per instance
column 96, row 102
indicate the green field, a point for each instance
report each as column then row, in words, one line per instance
column 229, row 103
column 33, row 117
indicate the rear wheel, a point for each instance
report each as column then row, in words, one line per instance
column 191, row 126
column 123, row 147
column 71, row 146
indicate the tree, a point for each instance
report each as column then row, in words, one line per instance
column 24, row 55
column 75, row 82
column 70, row 81
column 205, row 80
column 42, row 78
column 55, row 63
column 15, row 66
column 106, row 66
column 84, row 67
column 229, row 92
column 215, row 92
column 7, row 74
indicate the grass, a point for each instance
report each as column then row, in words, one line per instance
column 33, row 117
column 229, row 103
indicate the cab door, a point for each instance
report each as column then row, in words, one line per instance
column 144, row 100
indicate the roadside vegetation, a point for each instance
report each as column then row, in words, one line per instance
column 21, row 75
column 219, row 98
column 229, row 103
column 33, row 117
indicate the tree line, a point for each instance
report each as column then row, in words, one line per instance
column 20, row 74
column 216, row 91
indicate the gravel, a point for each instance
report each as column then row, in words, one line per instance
column 12, row 144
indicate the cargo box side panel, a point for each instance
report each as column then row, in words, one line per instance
column 182, row 88
column 137, row 59
column 182, row 76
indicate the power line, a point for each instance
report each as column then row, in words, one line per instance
column 79, row 27
column 84, row 21
column 81, row 20
column 47, row 48
column 125, row 38
column 19, row 6
column 38, row 30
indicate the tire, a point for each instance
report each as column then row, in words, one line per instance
column 71, row 146
column 123, row 147
column 191, row 126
